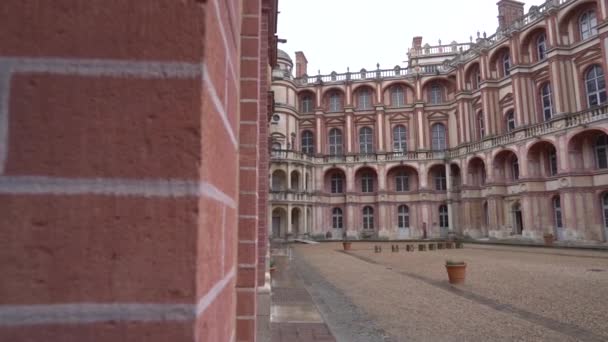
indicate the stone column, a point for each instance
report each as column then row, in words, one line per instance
column 448, row 176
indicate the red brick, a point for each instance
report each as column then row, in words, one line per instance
column 249, row 111
column 217, row 322
column 248, row 181
column 249, row 68
column 245, row 330
column 116, row 29
column 58, row 249
column 246, row 277
column 250, row 90
column 250, row 26
column 247, row 253
column 246, row 230
column 210, row 244
column 248, row 158
column 113, row 127
column 252, row 7
column 250, row 47
column 248, row 204
column 110, row 331
column 249, row 134
column 245, row 303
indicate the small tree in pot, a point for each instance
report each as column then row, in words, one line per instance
column 549, row 238
column 456, row 271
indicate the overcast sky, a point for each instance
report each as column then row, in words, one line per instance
column 334, row 34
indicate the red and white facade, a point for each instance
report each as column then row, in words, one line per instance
column 503, row 137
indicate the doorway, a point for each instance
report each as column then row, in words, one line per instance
column 518, row 219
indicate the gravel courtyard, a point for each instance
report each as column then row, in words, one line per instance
column 510, row 294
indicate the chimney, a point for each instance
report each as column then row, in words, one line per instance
column 417, row 43
column 508, row 12
column 301, row 64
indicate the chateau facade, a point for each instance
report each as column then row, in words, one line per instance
column 502, row 137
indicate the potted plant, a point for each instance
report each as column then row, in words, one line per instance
column 456, row 271
column 272, row 266
column 345, row 243
column 549, row 238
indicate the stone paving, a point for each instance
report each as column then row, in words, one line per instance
column 294, row 316
column 511, row 293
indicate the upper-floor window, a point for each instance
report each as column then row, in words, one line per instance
column 397, row 96
column 596, row 86
column 601, row 151
column 435, row 95
column 368, row 218
column 364, row 99
column 553, row 162
column 306, row 104
column 337, row 183
column 587, row 24
column 546, row 101
column 335, row 102
column 515, row 168
column 308, row 144
column 475, row 78
column 510, row 120
column 402, row 182
column 541, row 46
column 367, row 182
column 403, row 217
column 399, row 139
column 440, row 180
column 335, row 142
column 276, row 146
column 481, row 125
column 506, row 64
column 337, row 218
column 366, row 140
column 438, row 137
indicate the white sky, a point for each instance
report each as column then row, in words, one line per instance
column 334, row 34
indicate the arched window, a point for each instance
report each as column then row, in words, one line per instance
column 367, row 182
column 506, row 64
column 596, row 86
column 435, row 95
column 601, row 151
column 337, row 183
column 335, row 142
column 553, row 162
column 481, row 125
column 364, row 99
column 438, row 137
column 306, row 104
column 510, row 121
column 399, row 139
column 515, row 168
column 546, row 101
column 308, row 143
column 402, row 182
column 443, row 216
column 403, row 217
column 440, row 180
column 557, row 212
column 337, row 218
column 541, row 46
column 587, row 24
column 335, row 102
column 366, row 140
column 397, row 96
column 276, row 146
column 368, row 218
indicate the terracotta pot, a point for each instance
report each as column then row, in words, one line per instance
column 272, row 269
column 549, row 238
column 346, row 245
column 456, row 273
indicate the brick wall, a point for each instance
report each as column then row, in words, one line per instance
column 128, row 180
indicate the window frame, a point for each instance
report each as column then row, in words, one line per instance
column 541, row 46
column 435, row 94
column 336, row 142
column 399, row 138
column 438, row 143
column 440, row 180
column 546, row 101
column 368, row 218
column 366, row 140
column 306, row 104
column 598, row 82
column 403, row 217
column 601, row 152
column 402, row 182
column 444, row 216
column 364, row 99
column 337, row 218
column 307, row 141
column 335, row 102
column 506, row 64
column 558, row 219
column 588, row 18
column 336, row 183
column 397, row 97
column 511, row 124
column 367, row 182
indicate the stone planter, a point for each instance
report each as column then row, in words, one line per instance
column 456, row 272
column 421, row 247
column 346, row 245
column 449, row 245
column 431, row 246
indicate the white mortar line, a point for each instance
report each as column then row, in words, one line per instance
column 218, row 106
column 18, row 315
column 5, row 90
column 41, row 185
column 215, row 291
column 103, row 67
column 80, row 313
